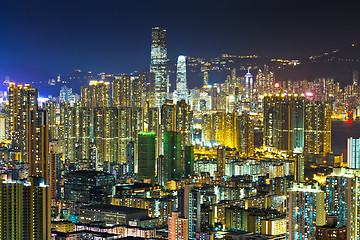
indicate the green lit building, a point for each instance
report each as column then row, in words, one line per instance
column 189, row 161
column 172, row 167
column 146, row 155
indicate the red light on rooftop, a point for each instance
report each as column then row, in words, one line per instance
column 277, row 85
column 346, row 104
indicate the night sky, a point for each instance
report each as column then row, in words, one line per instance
column 114, row 36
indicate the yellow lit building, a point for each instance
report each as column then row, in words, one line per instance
column 274, row 226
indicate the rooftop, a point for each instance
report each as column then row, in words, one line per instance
column 114, row 208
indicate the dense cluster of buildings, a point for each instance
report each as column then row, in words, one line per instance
column 129, row 158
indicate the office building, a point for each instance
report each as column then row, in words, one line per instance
column 159, row 68
column 181, row 84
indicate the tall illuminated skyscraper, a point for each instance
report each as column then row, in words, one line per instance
column 353, row 153
column 248, row 91
column 206, row 78
column 159, row 67
column 181, row 84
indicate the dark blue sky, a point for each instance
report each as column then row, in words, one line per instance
column 114, row 36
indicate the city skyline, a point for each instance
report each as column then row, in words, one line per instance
column 184, row 145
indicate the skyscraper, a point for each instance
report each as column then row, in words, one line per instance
column 281, row 114
column 317, row 127
column 159, row 67
column 22, row 100
column 221, row 161
column 38, row 145
column 244, row 134
column 181, row 84
column 184, row 122
column 305, row 211
column 353, row 153
column 206, row 78
column 343, row 200
column 172, row 156
column 248, row 91
column 25, row 209
column 147, row 157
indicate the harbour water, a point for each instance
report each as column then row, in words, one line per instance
column 340, row 132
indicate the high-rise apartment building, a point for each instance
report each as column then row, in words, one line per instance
column 129, row 90
column 221, row 161
column 106, row 135
column 184, row 122
column 159, row 67
column 25, row 209
column 22, row 100
column 343, row 200
column 190, row 207
column 177, row 227
column 50, row 108
column 305, row 211
column 244, row 135
column 295, row 123
column 353, row 153
column 122, row 91
column 38, row 145
column 317, row 127
column 284, row 122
